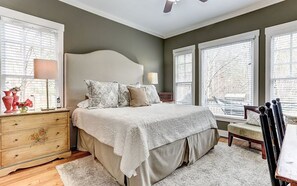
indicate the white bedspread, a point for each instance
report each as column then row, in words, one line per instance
column 132, row 132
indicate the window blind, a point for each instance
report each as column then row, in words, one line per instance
column 183, row 78
column 284, row 70
column 20, row 43
column 227, row 73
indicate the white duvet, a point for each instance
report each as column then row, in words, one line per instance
column 132, row 132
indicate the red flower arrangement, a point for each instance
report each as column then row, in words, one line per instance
column 27, row 103
column 23, row 106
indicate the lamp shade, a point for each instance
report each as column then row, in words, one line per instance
column 45, row 69
column 152, row 78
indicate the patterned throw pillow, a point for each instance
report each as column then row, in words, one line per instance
column 253, row 118
column 152, row 94
column 102, row 94
column 124, row 96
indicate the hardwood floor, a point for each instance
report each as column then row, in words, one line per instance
column 47, row 175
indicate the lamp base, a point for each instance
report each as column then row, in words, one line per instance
column 47, row 109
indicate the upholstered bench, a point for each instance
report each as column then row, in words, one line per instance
column 247, row 131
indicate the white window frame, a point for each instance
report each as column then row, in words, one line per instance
column 181, row 51
column 44, row 23
column 224, row 41
column 269, row 33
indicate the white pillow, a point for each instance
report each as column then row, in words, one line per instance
column 102, row 94
column 124, row 96
column 83, row 104
column 152, row 94
column 253, row 118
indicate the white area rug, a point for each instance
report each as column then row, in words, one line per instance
column 222, row 166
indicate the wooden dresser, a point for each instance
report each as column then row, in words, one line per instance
column 33, row 138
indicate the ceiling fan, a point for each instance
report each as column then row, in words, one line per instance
column 169, row 4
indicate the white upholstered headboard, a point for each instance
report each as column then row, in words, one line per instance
column 102, row 65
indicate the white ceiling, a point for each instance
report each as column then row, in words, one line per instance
column 186, row 15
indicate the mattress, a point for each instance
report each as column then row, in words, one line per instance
column 133, row 132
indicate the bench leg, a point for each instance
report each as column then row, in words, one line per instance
column 230, row 139
column 250, row 144
column 263, row 151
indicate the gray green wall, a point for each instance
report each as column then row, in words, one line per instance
column 87, row 32
column 273, row 15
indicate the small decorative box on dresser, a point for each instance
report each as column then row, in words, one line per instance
column 33, row 138
column 166, row 96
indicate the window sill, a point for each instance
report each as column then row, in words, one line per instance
column 231, row 119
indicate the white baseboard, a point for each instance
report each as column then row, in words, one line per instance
column 223, row 133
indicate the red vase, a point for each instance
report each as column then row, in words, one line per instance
column 7, row 100
column 15, row 99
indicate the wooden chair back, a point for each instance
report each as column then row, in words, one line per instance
column 278, row 122
column 273, row 130
column 270, row 155
column 251, row 108
column 272, row 146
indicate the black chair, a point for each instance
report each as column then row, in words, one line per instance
column 271, row 142
column 273, row 130
column 280, row 111
column 278, row 121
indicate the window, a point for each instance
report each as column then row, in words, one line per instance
column 228, row 74
column 23, row 39
column 184, row 75
column 281, row 65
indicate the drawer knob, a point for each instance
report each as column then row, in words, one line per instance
column 57, row 133
column 58, row 146
column 16, row 155
column 16, row 124
column 57, row 119
column 16, row 140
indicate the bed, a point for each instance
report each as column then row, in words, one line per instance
column 138, row 146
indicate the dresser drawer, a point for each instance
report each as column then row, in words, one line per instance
column 11, row 157
column 33, row 136
column 9, row 124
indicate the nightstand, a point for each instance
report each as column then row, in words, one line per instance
column 166, row 97
column 33, row 138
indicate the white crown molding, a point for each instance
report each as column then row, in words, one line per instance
column 256, row 6
column 261, row 4
column 111, row 17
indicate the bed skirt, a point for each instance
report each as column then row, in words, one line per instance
column 161, row 162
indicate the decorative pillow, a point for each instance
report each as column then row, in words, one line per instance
column 138, row 97
column 124, row 96
column 83, row 104
column 152, row 94
column 102, row 94
column 253, row 118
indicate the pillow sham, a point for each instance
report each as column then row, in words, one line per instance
column 152, row 94
column 253, row 118
column 83, row 104
column 124, row 96
column 102, row 94
column 138, row 97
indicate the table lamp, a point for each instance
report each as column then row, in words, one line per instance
column 152, row 78
column 45, row 69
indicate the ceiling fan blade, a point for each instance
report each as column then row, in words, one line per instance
column 168, row 6
column 203, row 1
